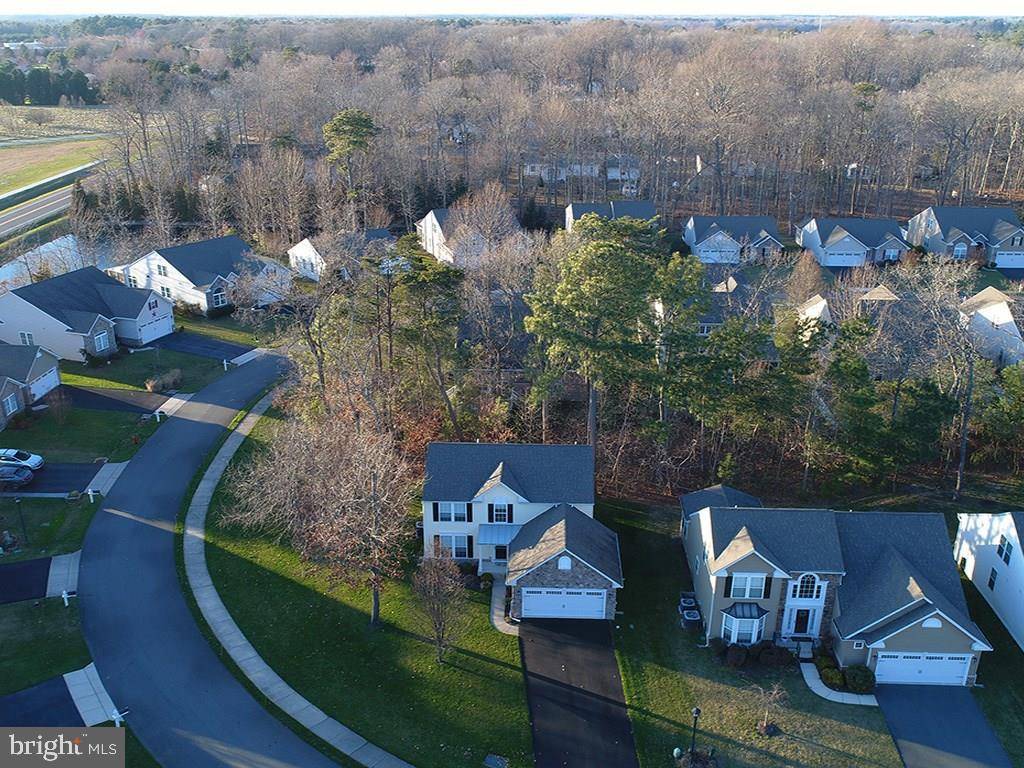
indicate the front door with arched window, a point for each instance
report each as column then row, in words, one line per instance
column 805, row 606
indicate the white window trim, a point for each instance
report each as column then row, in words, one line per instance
column 161, row 270
column 105, row 337
column 11, row 404
column 452, row 544
column 165, row 291
column 858, row 645
column 504, row 512
column 220, row 299
column 747, row 580
column 27, row 339
column 731, row 629
column 451, row 512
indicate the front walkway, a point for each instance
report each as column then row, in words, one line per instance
column 498, row 619
column 260, row 674
column 813, row 680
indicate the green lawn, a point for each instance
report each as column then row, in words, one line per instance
column 41, row 639
column 55, row 526
column 382, row 683
column 665, row 674
column 26, row 164
column 84, row 436
column 132, row 371
column 226, row 328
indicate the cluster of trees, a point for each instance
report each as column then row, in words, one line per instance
column 43, row 86
column 860, row 117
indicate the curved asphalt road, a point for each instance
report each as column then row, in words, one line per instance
column 185, row 706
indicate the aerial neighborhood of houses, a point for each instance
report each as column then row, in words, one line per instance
column 868, row 596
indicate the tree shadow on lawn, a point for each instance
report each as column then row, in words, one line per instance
column 382, row 682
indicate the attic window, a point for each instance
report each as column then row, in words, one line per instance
column 932, row 623
column 858, row 645
column 565, row 563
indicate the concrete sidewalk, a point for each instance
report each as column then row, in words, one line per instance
column 498, row 619
column 260, row 674
column 813, row 680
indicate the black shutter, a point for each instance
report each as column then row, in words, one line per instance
column 767, row 587
column 469, row 511
column 490, row 513
column 728, row 585
column 510, row 513
column 469, row 546
column 437, row 511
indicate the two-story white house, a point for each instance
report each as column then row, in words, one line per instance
column 83, row 313
column 306, row 261
column 730, row 239
column 988, row 550
column 202, row 274
column 993, row 327
column 614, row 209
column 992, row 233
column 524, row 512
column 852, row 242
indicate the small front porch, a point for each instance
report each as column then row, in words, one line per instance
column 492, row 547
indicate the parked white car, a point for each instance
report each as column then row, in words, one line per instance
column 12, row 457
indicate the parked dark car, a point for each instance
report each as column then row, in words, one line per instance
column 15, row 477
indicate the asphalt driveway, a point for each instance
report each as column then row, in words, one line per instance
column 46, row 704
column 111, row 399
column 940, row 726
column 577, row 708
column 61, row 478
column 24, row 580
column 198, row 344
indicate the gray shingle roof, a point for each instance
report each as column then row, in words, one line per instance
column 871, row 232
column 716, row 496
column 992, row 223
column 16, row 360
column 815, row 549
column 890, row 558
column 616, row 209
column 77, row 298
column 544, row 473
column 204, row 261
column 742, row 229
column 563, row 527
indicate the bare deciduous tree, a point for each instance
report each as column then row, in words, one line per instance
column 340, row 495
column 442, row 599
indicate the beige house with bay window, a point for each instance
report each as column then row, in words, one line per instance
column 882, row 586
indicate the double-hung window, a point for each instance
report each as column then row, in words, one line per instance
column 501, row 513
column 26, row 338
column 11, row 404
column 1004, row 550
column 747, row 586
column 992, row 580
column 454, row 544
column 960, row 251
column 161, row 270
column 451, row 512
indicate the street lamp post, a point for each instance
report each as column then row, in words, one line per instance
column 693, row 737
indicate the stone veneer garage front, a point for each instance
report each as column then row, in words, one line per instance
column 579, row 576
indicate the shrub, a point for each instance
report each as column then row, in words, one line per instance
column 717, row 646
column 832, row 677
column 153, row 385
column 736, row 656
column 774, row 656
column 824, row 661
column 860, row 679
column 172, row 379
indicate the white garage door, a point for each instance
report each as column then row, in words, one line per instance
column 922, row 668
column 43, row 384
column 155, row 329
column 843, row 259
column 716, row 256
column 563, row 603
column 1010, row 259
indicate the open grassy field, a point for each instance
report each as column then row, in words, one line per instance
column 665, row 673
column 26, row 164
column 384, row 683
column 21, row 122
column 226, row 328
column 41, row 639
column 132, row 371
